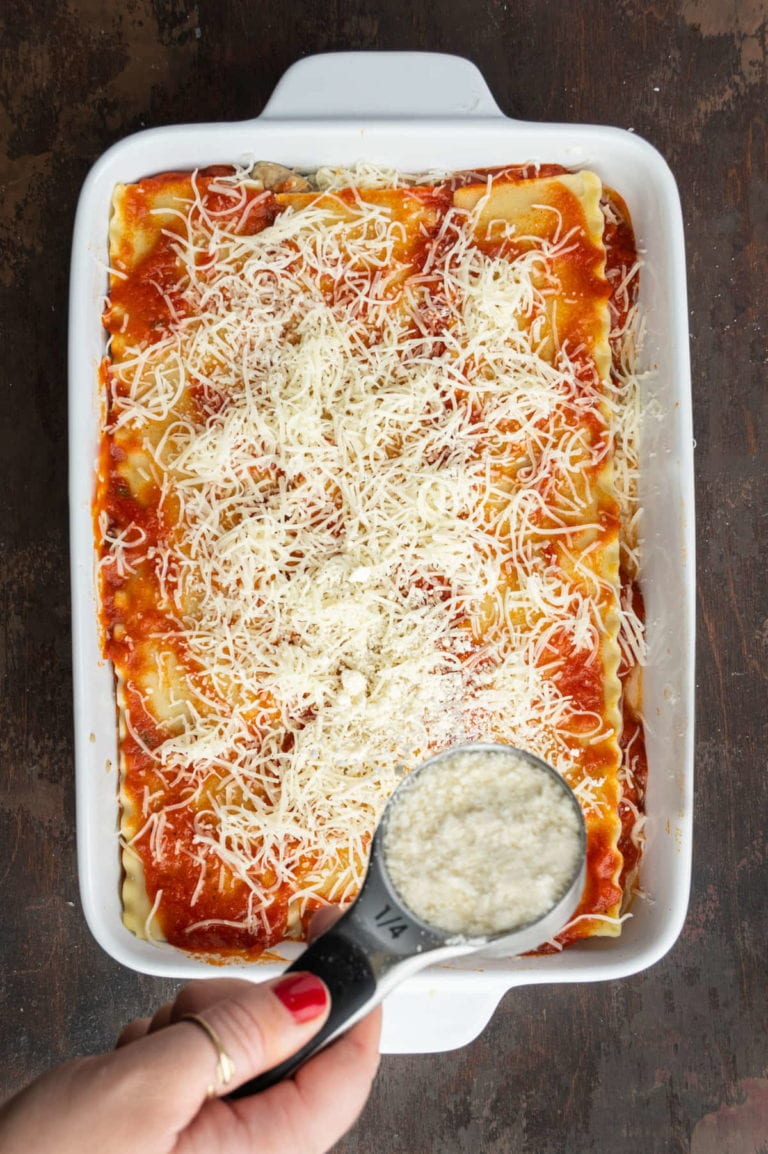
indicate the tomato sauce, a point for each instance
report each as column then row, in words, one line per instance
column 143, row 308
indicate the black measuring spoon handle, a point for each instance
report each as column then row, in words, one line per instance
column 345, row 969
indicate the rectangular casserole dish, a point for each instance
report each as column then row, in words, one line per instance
column 416, row 112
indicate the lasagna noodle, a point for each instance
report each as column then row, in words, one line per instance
column 459, row 336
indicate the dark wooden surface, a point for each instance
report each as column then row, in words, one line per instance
column 673, row 1060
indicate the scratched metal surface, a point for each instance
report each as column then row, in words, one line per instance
column 674, row 1060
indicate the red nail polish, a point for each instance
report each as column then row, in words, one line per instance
column 304, row 995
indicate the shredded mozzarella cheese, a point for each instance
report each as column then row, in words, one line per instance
column 357, row 566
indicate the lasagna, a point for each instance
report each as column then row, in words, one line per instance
column 366, row 489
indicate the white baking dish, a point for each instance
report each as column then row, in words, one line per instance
column 416, row 111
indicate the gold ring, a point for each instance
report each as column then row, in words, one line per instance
column 225, row 1067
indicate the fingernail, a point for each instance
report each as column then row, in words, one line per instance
column 304, row 995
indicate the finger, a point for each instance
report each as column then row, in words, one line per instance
column 351, row 1061
column 162, row 1017
column 259, row 1025
column 322, row 921
column 142, row 1026
column 196, row 997
column 321, row 1102
column 134, row 1030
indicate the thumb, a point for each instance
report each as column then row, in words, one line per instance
column 256, row 1025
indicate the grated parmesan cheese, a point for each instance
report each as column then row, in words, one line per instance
column 482, row 842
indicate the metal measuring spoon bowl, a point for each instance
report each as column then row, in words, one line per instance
column 379, row 941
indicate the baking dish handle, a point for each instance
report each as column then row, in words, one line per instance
column 381, row 85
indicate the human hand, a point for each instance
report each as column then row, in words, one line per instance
column 150, row 1096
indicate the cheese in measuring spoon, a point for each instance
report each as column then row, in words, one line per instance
column 485, row 842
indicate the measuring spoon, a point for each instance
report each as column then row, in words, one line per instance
column 378, row 942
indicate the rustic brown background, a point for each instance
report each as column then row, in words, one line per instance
column 673, row 1060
